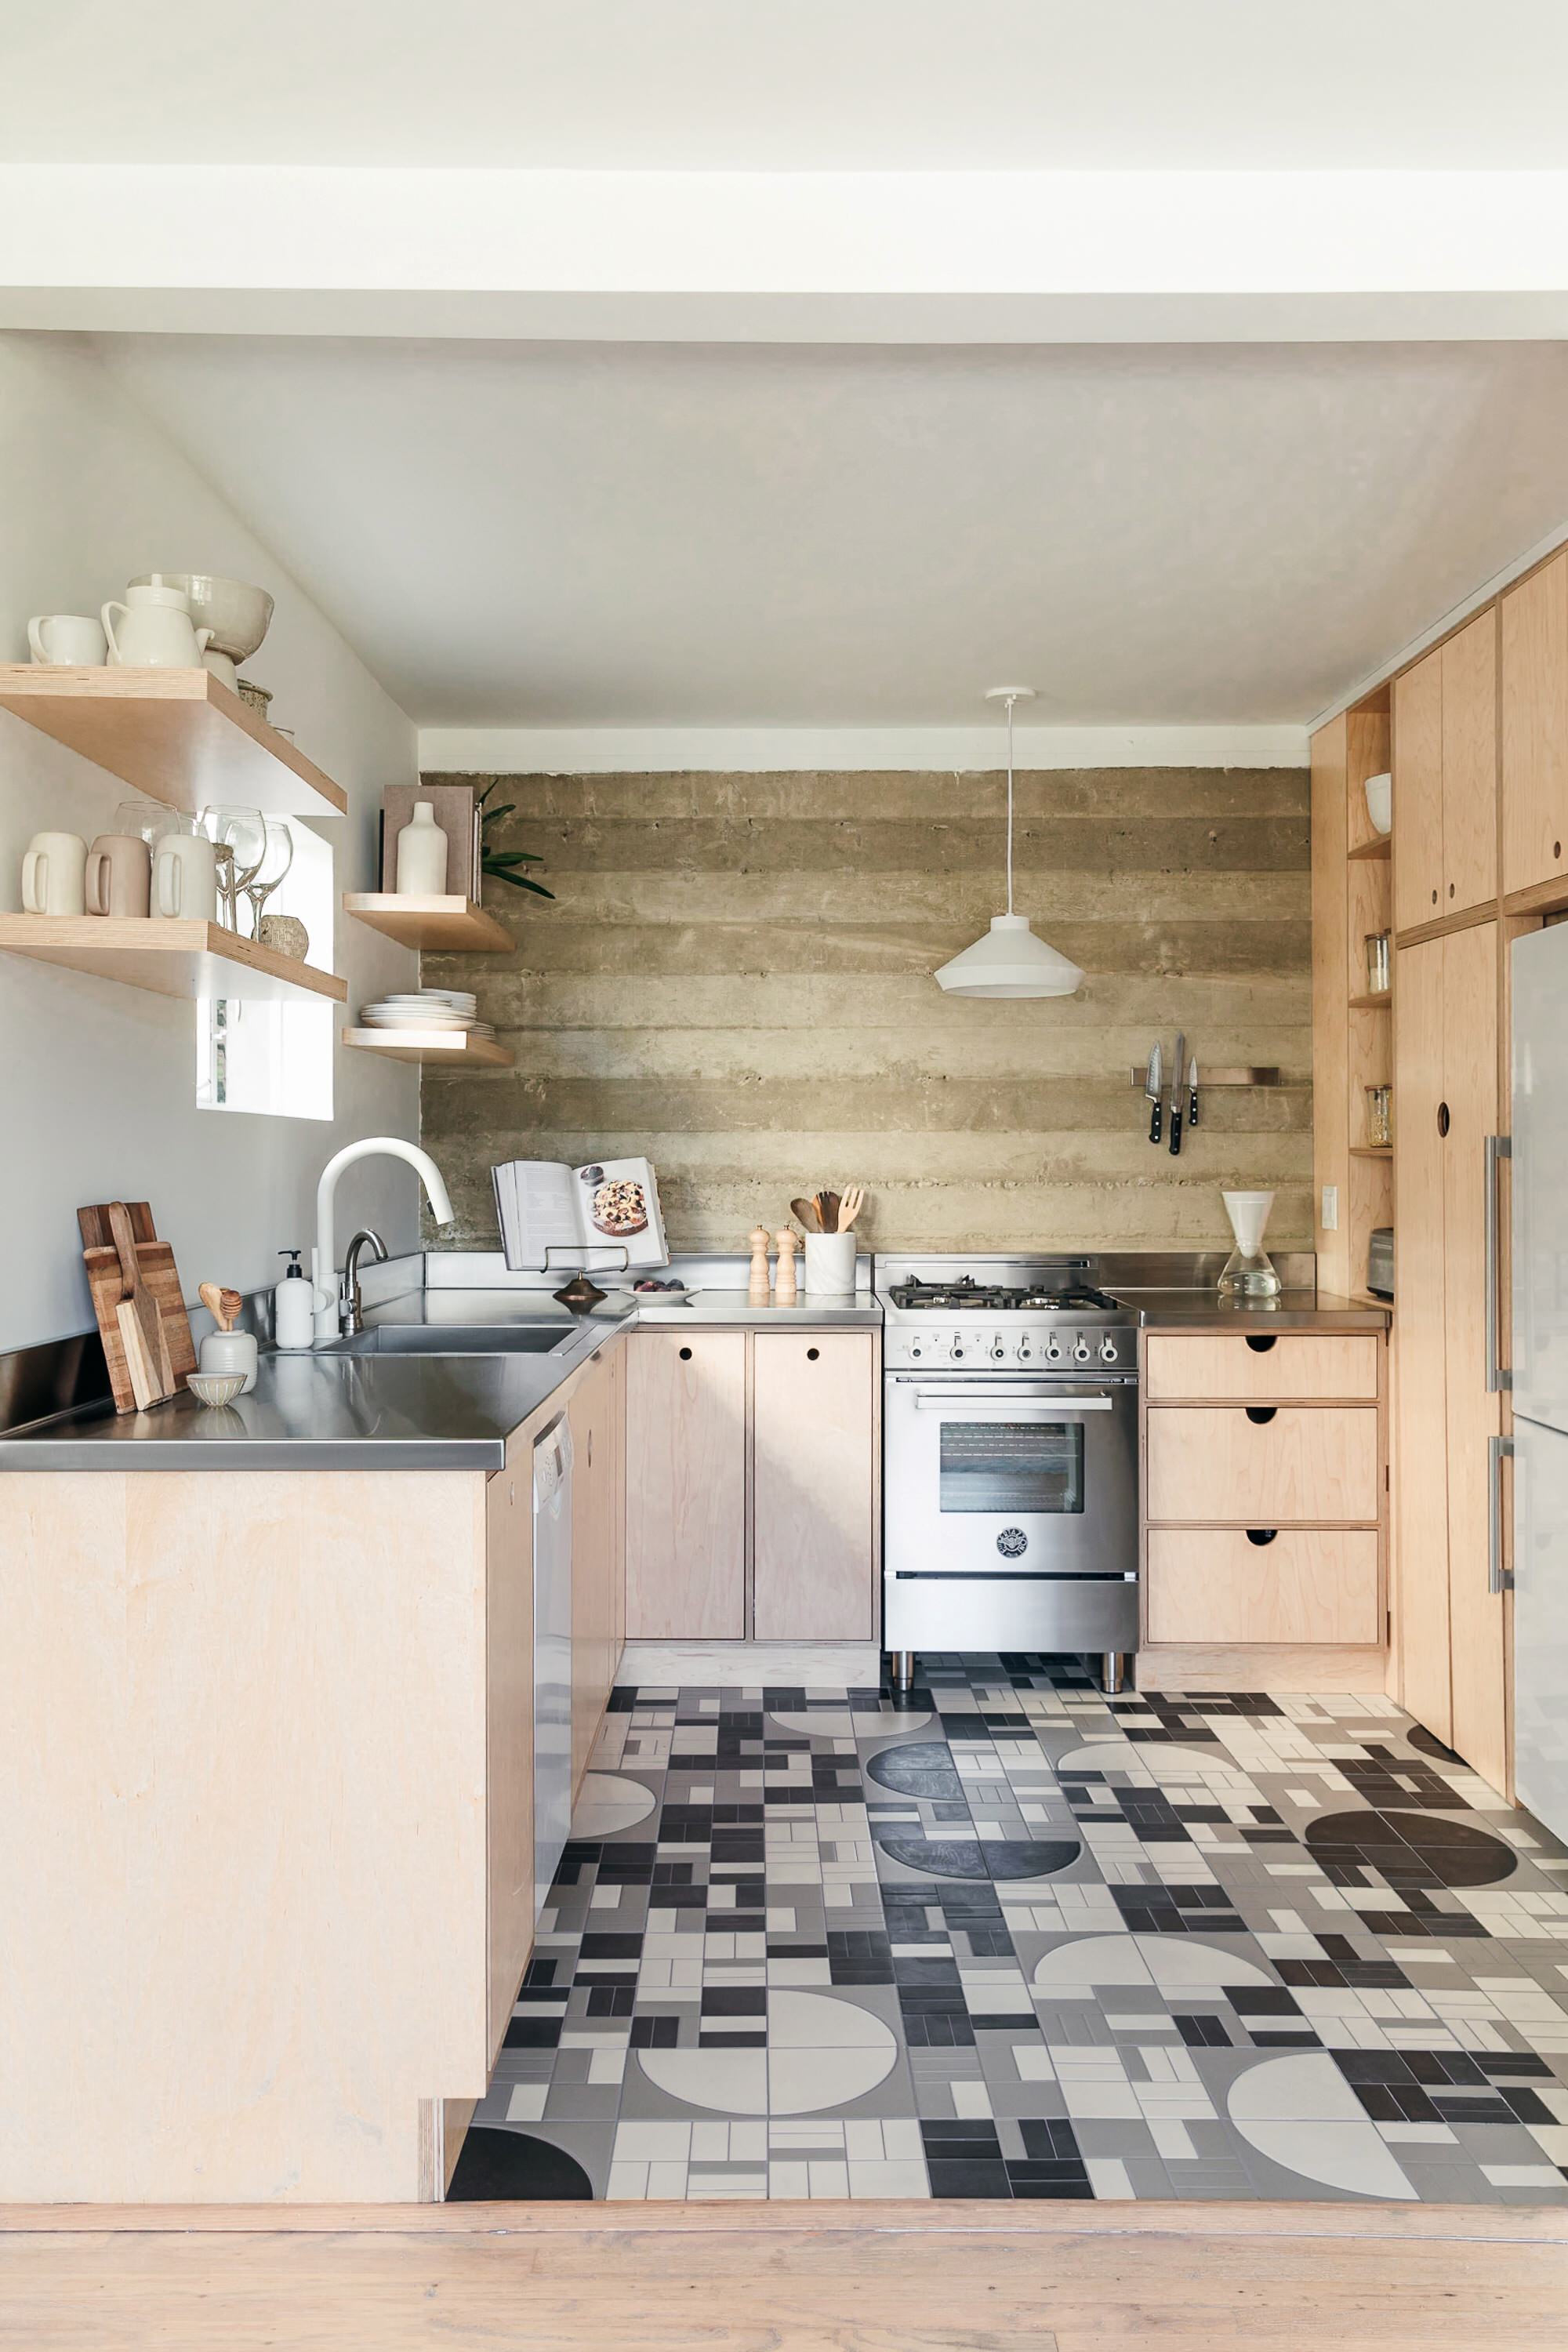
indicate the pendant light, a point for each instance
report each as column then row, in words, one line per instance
column 1009, row 960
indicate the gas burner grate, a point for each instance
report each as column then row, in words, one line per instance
column 966, row 1294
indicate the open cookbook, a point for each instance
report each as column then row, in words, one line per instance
column 553, row 1217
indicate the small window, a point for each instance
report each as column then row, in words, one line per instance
column 276, row 1056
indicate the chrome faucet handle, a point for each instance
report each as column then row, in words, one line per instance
column 351, row 1306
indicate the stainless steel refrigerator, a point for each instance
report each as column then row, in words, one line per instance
column 1539, row 1058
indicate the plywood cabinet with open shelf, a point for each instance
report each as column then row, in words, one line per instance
column 1352, row 1035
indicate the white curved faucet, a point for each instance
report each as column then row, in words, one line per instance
column 324, row 1256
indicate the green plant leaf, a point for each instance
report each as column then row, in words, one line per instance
column 521, row 882
column 493, row 816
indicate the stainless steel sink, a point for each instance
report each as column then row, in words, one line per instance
column 459, row 1339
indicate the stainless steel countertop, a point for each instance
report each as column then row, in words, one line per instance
column 733, row 1310
column 331, row 1412
column 1293, row 1311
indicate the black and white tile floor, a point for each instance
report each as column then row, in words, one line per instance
column 1015, row 1940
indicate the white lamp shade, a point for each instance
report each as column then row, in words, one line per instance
column 1009, row 961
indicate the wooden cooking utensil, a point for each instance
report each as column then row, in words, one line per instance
column 107, row 1285
column 141, row 1325
column 806, row 1212
column 830, row 1204
column 222, row 1305
column 853, row 1200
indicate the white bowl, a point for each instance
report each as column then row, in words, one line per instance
column 236, row 613
column 214, row 1389
column 1379, row 803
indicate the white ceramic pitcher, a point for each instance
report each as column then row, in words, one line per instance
column 156, row 631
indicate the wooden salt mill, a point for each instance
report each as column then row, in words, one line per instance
column 762, row 1275
column 788, row 1243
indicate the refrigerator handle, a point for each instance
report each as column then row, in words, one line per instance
column 1498, row 1148
column 1499, row 1579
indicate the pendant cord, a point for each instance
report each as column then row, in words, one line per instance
column 1009, row 803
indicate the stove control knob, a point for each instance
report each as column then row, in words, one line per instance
column 998, row 1352
column 957, row 1355
column 915, row 1351
column 1026, row 1353
column 1108, row 1351
column 1080, row 1352
column 1053, row 1352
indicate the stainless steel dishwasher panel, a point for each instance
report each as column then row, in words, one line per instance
column 552, row 1653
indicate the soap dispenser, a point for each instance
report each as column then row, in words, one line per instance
column 293, row 1307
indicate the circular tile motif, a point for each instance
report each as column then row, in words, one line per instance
column 1300, row 2112
column 609, row 1803
column 1428, row 1744
column 513, row 2164
column 924, row 1767
column 821, row 2053
column 1147, row 1759
column 818, row 1723
column 1172, row 1964
column 1413, row 1849
column 982, row 1858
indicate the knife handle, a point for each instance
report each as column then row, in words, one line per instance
column 1155, row 1117
column 1193, row 1106
column 1175, row 1126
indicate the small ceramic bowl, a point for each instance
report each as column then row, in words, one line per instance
column 1380, row 802
column 215, row 1389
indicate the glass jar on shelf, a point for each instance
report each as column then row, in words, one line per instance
column 1380, row 1117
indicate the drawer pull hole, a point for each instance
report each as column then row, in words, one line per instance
column 1261, row 1341
column 1261, row 1534
column 812, row 1354
column 686, row 1355
column 1261, row 1413
column 1443, row 1121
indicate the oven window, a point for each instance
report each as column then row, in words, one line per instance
column 1013, row 1466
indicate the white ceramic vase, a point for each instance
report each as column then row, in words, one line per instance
column 421, row 855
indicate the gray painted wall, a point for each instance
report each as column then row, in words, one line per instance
column 735, row 979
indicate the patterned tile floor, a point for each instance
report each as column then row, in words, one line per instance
column 1015, row 1940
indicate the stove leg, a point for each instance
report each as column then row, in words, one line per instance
column 902, row 1663
column 1114, row 1669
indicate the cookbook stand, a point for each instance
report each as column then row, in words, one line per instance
column 582, row 1291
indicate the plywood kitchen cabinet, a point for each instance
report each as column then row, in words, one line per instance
column 752, row 1484
column 598, row 1559
column 1534, row 710
column 1445, row 777
column 1452, row 1627
column 1263, row 1506
column 685, row 1486
column 508, row 1728
column 814, row 1491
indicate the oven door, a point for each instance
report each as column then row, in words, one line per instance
column 1001, row 1477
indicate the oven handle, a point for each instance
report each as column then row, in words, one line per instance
column 995, row 1405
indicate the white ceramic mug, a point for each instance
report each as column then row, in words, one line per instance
column 54, row 870
column 67, row 641
column 830, row 1261
column 185, row 877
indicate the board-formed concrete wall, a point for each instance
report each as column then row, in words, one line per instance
column 735, row 979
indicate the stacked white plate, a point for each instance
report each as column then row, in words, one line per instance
column 424, row 1008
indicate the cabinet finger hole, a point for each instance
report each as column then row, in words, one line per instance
column 1261, row 1534
column 1261, row 1413
column 1442, row 1119
column 812, row 1354
column 686, row 1355
column 1261, row 1341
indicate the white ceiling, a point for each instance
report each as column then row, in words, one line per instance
column 592, row 535
column 818, row 84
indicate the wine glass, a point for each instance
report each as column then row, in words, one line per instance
column 239, row 835
column 277, row 856
column 150, row 821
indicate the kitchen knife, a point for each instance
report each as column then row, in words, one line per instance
column 1176, row 1095
column 1192, row 1092
column 1152, row 1089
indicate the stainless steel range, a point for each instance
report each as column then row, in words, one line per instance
column 1010, row 1460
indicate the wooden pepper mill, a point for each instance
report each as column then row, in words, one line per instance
column 761, row 1275
column 788, row 1243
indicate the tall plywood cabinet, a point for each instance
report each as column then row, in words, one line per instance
column 1534, row 708
column 1452, row 1627
column 1352, row 1038
column 1445, row 777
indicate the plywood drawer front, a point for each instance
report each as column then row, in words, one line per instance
column 1303, row 1465
column 1308, row 1584
column 1301, row 1364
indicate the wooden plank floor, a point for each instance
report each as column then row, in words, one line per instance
column 830, row 2278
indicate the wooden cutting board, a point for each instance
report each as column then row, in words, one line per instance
column 107, row 1283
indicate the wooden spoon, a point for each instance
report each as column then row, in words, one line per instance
column 222, row 1305
column 829, row 1201
column 806, row 1212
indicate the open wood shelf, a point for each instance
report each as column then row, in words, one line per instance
column 172, row 958
column 452, row 1049
column 1380, row 848
column 1372, row 1151
column 1377, row 1003
column 448, row 926
column 177, row 735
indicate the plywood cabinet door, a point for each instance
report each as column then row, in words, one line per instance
column 686, row 1487
column 1418, row 793
column 508, row 1733
column 1420, row 1393
column 1534, row 695
column 1472, row 1411
column 594, row 1480
column 814, row 1486
column 1470, row 765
